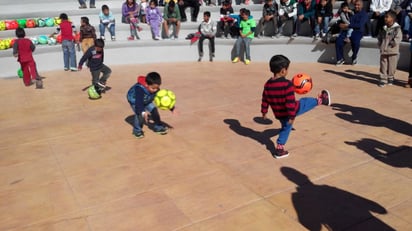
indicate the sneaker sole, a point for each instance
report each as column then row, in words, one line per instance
column 162, row 133
column 282, row 156
column 329, row 98
column 138, row 137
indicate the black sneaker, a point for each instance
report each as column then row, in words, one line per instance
column 281, row 153
column 355, row 61
column 161, row 131
column 381, row 84
column 325, row 96
column 138, row 135
column 390, row 82
column 340, row 62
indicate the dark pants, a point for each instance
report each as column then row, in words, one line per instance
column 211, row 45
column 311, row 23
column 189, row 3
column 96, row 75
column 410, row 68
column 355, row 39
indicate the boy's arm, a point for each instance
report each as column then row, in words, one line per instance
column 398, row 37
column 264, row 105
column 84, row 58
column 15, row 49
column 139, row 105
column 290, row 102
column 32, row 47
column 94, row 32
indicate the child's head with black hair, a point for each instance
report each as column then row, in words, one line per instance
column 279, row 64
column 63, row 16
column 20, row 33
column 84, row 21
column 99, row 45
column 153, row 81
column 390, row 18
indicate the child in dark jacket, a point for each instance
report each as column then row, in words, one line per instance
column 94, row 57
column 279, row 94
column 87, row 34
column 23, row 49
column 140, row 97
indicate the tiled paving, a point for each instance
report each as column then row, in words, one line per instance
column 69, row 163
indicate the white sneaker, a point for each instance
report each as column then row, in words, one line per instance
column 102, row 37
column 172, row 37
column 157, row 38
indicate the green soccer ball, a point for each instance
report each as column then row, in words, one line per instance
column 165, row 99
column 92, row 92
column 22, row 22
column 20, row 73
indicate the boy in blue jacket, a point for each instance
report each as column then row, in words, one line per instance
column 94, row 57
column 140, row 97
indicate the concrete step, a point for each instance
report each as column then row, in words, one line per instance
column 44, row 9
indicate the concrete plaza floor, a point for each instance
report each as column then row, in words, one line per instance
column 70, row 163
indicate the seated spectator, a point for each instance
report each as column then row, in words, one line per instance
column 107, row 20
column 171, row 16
column 288, row 10
column 207, row 30
column 130, row 15
column 183, row 4
column 235, row 29
column 269, row 15
column 377, row 9
column 357, row 23
column 306, row 12
column 406, row 24
column 226, row 22
column 323, row 14
column 345, row 16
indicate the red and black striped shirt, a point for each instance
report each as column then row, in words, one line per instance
column 280, row 95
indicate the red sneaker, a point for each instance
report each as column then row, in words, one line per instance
column 281, row 153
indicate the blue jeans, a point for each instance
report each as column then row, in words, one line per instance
column 305, row 105
column 82, row 2
column 69, row 55
column 325, row 24
column 111, row 28
column 139, row 120
column 247, row 42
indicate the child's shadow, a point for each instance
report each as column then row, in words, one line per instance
column 150, row 124
column 261, row 137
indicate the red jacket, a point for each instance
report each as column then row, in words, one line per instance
column 66, row 30
column 24, row 48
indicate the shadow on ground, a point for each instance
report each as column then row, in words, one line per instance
column 399, row 157
column 373, row 79
column 263, row 137
column 130, row 120
column 326, row 207
column 366, row 116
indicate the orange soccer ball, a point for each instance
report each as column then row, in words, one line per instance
column 302, row 83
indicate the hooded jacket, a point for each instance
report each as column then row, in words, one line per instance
column 389, row 39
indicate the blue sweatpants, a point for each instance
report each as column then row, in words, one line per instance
column 305, row 105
